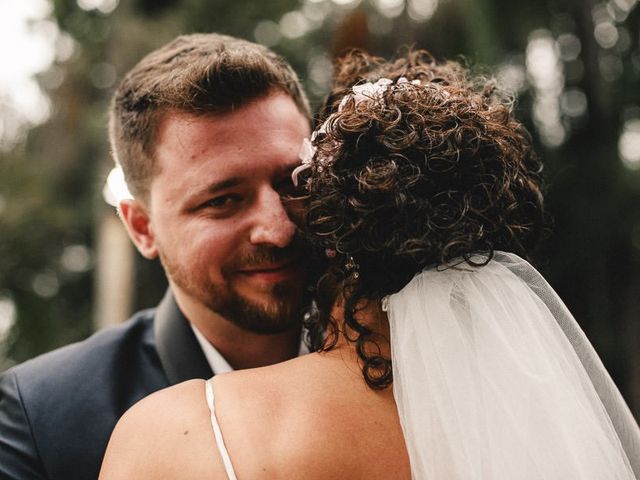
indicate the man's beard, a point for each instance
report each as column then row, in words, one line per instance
column 283, row 312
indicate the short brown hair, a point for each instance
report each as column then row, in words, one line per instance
column 200, row 74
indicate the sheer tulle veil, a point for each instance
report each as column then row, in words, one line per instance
column 494, row 379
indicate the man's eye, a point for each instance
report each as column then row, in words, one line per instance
column 222, row 201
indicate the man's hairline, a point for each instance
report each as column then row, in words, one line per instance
column 162, row 113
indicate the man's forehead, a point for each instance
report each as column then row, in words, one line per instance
column 208, row 171
column 210, row 148
column 276, row 98
column 237, row 132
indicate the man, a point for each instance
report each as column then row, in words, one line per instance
column 207, row 130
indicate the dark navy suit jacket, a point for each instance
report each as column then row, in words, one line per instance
column 58, row 410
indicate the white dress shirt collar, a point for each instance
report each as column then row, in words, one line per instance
column 217, row 362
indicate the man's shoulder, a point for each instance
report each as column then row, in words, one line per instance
column 58, row 410
column 138, row 327
column 88, row 359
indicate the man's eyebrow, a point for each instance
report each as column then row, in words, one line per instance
column 220, row 185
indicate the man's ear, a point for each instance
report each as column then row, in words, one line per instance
column 136, row 219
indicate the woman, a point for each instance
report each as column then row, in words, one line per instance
column 438, row 356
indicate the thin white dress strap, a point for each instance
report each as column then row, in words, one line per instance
column 228, row 466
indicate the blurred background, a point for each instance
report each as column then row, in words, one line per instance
column 66, row 266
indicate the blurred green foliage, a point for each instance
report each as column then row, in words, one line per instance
column 50, row 184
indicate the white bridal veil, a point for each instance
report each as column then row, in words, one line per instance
column 495, row 380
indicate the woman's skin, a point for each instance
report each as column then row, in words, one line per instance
column 312, row 417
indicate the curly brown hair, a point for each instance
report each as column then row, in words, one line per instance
column 435, row 170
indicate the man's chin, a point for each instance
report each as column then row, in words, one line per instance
column 265, row 313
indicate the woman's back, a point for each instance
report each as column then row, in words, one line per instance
column 311, row 417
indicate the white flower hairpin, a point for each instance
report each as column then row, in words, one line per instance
column 359, row 93
column 366, row 91
column 306, row 154
column 372, row 91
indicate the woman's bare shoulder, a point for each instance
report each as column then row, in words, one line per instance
column 306, row 417
column 302, row 417
column 165, row 435
column 265, row 418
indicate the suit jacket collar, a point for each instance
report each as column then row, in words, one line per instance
column 180, row 354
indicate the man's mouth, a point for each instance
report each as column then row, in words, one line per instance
column 273, row 271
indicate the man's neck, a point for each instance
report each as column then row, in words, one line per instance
column 239, row 347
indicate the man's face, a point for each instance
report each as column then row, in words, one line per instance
column 216, row 214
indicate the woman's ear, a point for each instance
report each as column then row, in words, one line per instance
column 136, row 220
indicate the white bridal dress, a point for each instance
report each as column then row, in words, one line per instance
column 495, row 380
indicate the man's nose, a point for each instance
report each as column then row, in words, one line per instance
column 272, row 225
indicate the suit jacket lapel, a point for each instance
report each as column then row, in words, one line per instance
column 178, row 349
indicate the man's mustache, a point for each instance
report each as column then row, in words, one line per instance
column 266, row 255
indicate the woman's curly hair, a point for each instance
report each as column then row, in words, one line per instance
column 429, row 174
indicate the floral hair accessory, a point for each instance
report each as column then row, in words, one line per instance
column 372, row 91
column 366, row 91
column 306, row 154
column 359, row 93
